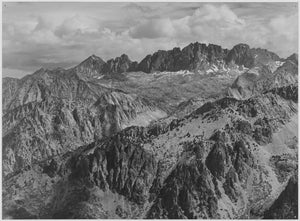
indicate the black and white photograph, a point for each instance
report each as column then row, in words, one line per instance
column 150, row 110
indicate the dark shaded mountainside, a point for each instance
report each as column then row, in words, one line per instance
column 122, row 139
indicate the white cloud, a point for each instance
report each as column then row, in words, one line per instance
column 77, row 24
column 154, row 28
column 206, row 18
column 43, row 37
column 65, row 36
column 221, row 14
column 285, row 25
column 43, row 23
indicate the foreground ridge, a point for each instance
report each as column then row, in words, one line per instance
column 222, row 163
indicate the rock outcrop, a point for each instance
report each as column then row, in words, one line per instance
column 91, row 67
column 121, row 64
column 200, row 175
column 52, row 112
column 93, row 141
column 286, row 206
column 261, row 79
column 241, row 55
column 195, row 56
column 191, row 168
column 201, row 57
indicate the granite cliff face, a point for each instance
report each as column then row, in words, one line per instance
column 53, row 112
column 121, row 64
column 202, row 173
column 262, row 78
column 241, row 55
column 11, row 85
column 104, row 140
column 64, row 84
column 286, row 206
column 193, row 57
column 91, row 67
column 202, row 57
column 222, row 161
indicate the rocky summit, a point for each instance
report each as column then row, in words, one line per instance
column 200, row 132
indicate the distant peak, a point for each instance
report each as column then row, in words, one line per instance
column 94, row 57
column 40, row 71
column 241, row 45
column 293, row 57
column 124, row 56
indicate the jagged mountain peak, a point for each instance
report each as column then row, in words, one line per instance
column 94, row 56
column 92, row 59
column 240, row 46
column 293, row 57
column 194, row 57
column 91, row 67
column 124, row 56
column 269, row 71
column 240, row 54
column 121, row 64
column 193, row 44
column 264, row 57
column 96, row 145
column 204, row 47
column 205, row 57
column 39, row 71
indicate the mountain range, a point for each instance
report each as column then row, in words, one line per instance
column 197, row 132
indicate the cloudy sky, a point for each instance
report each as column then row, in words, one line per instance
column 63, row 34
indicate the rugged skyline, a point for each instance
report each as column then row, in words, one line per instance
column 150, row 110
column 62, row 34
column 198, row 133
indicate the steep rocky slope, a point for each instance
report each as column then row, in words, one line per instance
column 121, row 64
column 91, row 67
column 9, row 88
column 202, row 57
column 39, row 130
column 155, row 139
column 241, row 55
column 227, row 159
column 286, row 205
column 51, row 112
column 263, row 78
column 57, row 83
column 192, row 57
column 192, row 71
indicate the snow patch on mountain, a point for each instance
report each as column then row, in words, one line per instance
column 143, row 119
column 170, row 74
